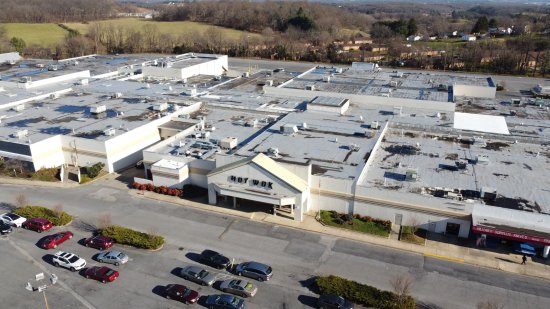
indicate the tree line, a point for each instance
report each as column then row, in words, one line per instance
column 55, row 11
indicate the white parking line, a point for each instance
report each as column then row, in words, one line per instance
column 45, row 270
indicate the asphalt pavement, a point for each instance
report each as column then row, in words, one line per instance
column 295, row 256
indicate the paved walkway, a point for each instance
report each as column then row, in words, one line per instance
column 459, row 254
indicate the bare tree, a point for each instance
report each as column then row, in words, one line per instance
column 489, row 304
column 21, row 200
column 104, row 220
column 58, row 210
column 401, row 285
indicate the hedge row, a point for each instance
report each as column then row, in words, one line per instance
column 362, row 294
column 343, row 218
column 126, row 236
column 161, row 190
column 56, row 218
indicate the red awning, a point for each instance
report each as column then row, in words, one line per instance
column 511, row 235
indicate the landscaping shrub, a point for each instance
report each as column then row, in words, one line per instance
column 362, row 294
column 126, row 236
column 94, row 170
column 57, row 218
column 160, row 190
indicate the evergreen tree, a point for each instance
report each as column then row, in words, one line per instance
column 481, row 26
column 412, row 28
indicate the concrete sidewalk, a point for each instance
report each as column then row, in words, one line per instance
column 501, row 261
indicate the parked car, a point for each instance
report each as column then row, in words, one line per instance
column 224, row 301
column 68, row 260
column 181, row 293
column 331, row 301
column 198, row 275
column 99, row 242
column 52, row 241
column 254, row 270
column 102, row 273
column 38, row 224
column 13, row 219
column 5, row 228
column 112, row 257
column 214, row 259
column 239, row 287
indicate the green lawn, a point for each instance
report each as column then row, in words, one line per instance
column 46, row 35
column 358, row 225
column 176, row 28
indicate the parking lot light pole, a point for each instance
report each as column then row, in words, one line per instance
column 42, row 288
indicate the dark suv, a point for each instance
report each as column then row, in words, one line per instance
column 254, row 270
column 214, row 259
column 331, row 301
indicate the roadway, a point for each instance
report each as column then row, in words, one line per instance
column 295, row 256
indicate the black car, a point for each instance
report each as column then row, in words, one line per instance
column 214, row 259
column 5, row 228
column 331, row 301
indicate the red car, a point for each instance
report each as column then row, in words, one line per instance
column 103, row 274
column 99, row 242
column 38, row 224
column 51, row 241
column 181, row 293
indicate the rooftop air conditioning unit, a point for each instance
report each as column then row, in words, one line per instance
column 246, row 74
column 269, row 83
column 109, row 131
column 273, row 151
column 52, row 67
column 310, row 87
column 116, row 95
column 160, row 107
column 19, row 107
column 21, row 133
column 326, row 79
column 83, row 81
column 338, row 70
column 375, row 125
column 54, row 96
column 25, row 79
column 98, row 109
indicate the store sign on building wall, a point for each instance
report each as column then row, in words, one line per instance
column 515, row 236
column 252, row 182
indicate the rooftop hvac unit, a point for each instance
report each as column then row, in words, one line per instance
column 393, row 83
column 481, row 159
column 310, row 87
column 304, row 125
column 269, row 83
column 116, row 95
column 338, row 70
column 19, row 107
column 246, row 74
column 39, row 65
column 11, row 62
column 83, row 81
column 397, row 110
column 160, row 107
column 25, row 79
column 326, row 79
column 288, row 129
column 411, row 175
column 147, row 86
column 109, row 131
column 228, row 142
column 353, row 147
column 52, row 67
column 375, row 125
column 98, row 109
column 21, row 133
column 54, row 96
column 273, row 151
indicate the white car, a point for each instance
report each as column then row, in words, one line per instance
column 13, row 219
column 69, row 260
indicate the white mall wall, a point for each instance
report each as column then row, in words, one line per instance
column 364, row 99
column 47, row 153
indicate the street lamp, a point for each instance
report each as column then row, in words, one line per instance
column 42, row 287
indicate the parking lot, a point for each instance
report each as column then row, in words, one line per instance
column 140, row 285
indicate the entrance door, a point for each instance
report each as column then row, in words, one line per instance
column 452, row 229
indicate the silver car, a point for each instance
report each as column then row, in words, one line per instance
column 239, row 287
column 198, row 275
column 112, row 257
